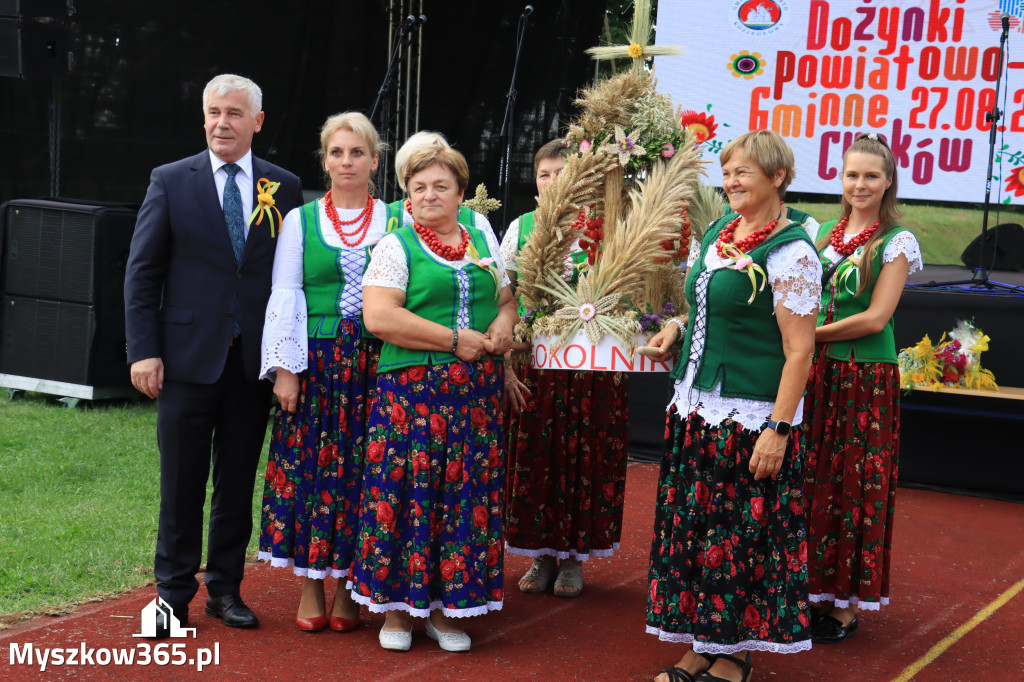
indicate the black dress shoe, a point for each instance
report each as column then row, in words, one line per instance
column 828, row 630
column 180, row 611
column 233, row 610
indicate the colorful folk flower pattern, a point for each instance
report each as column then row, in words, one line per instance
column 1015, row 181
column 729, row 558
column 433, row 493
column 315, row 465
column 851, row 436
column 567, row 457
column 700, row 125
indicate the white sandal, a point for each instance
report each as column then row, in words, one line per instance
column 540, row 574
column 569, row 575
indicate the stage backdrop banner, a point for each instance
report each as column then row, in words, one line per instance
column 920, row 73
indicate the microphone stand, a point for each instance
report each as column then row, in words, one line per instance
column 402, row 39
column 507, row 137
column 979, row 276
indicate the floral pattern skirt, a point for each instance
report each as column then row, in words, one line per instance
column 728, row 563
column 315, row 464
column 431, row 512
column 851, row 436
column 567, row 455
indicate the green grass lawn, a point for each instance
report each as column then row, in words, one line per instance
column 80, row 491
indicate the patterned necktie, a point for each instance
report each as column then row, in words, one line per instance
column 233, row 211
column 236, row 230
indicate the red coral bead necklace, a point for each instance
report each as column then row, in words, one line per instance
column 748, row 243
column 443, row 250
column 365, row 216
column 844, row 248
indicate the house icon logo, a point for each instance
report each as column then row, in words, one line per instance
column 158, row 616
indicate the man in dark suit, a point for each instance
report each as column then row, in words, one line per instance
column 196, row 292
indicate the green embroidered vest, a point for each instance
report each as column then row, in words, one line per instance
column 742, row 343
column 323, row 279
column 433, row 293
column 877, row 347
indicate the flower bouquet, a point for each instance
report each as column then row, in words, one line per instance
column 629, row 196
column 954, row 363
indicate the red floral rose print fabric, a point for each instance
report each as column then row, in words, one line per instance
column 433, row 493
column 851, row 435
column 315, row 465
column 568, row 452
column 729, row 559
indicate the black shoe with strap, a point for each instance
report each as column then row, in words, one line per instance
column 677, row 674
column 746, row 668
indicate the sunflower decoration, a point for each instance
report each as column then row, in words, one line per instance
column 1015, row 182
column 699, row 124
column 747, row 64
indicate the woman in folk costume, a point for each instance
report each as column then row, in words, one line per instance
column 567, row 447
column 852, row 408
column 416, row 142
column 430, row 532
column 728, row 571
column 323, row 364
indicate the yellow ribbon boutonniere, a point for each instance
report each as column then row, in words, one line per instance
column 265, row 190
column 741, row 261
column 848, row 274
column 485, row 263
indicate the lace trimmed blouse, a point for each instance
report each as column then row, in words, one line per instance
column 794, row 276
column 388, row 268
column 285, row 334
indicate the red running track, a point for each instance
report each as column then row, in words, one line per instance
column 952, row 557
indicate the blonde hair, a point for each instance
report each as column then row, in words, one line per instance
column 357, row 123
column 229, row 82
column 768, row 150
column 416, row 142
column 437, row 155
column 888, row 211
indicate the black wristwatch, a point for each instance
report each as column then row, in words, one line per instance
column 780, row 427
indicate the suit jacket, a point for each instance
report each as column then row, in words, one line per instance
column 182, row 279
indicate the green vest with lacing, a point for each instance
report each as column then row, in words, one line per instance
column 743, row 352
column 323, row 277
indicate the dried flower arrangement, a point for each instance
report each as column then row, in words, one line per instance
column 629, row 195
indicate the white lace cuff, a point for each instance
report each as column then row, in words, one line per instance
column 285, row 335
column 794, row 274
column 904, row 243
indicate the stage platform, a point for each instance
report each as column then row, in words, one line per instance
column 963, row 443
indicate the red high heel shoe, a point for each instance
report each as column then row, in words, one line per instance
column 339, row 624
column 312, row 624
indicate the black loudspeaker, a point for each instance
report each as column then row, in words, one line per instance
column 1007, row 240
column 63, row 291
column 33, row 48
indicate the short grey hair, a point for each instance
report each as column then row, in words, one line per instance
column 416, row 142
column 229, row 82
